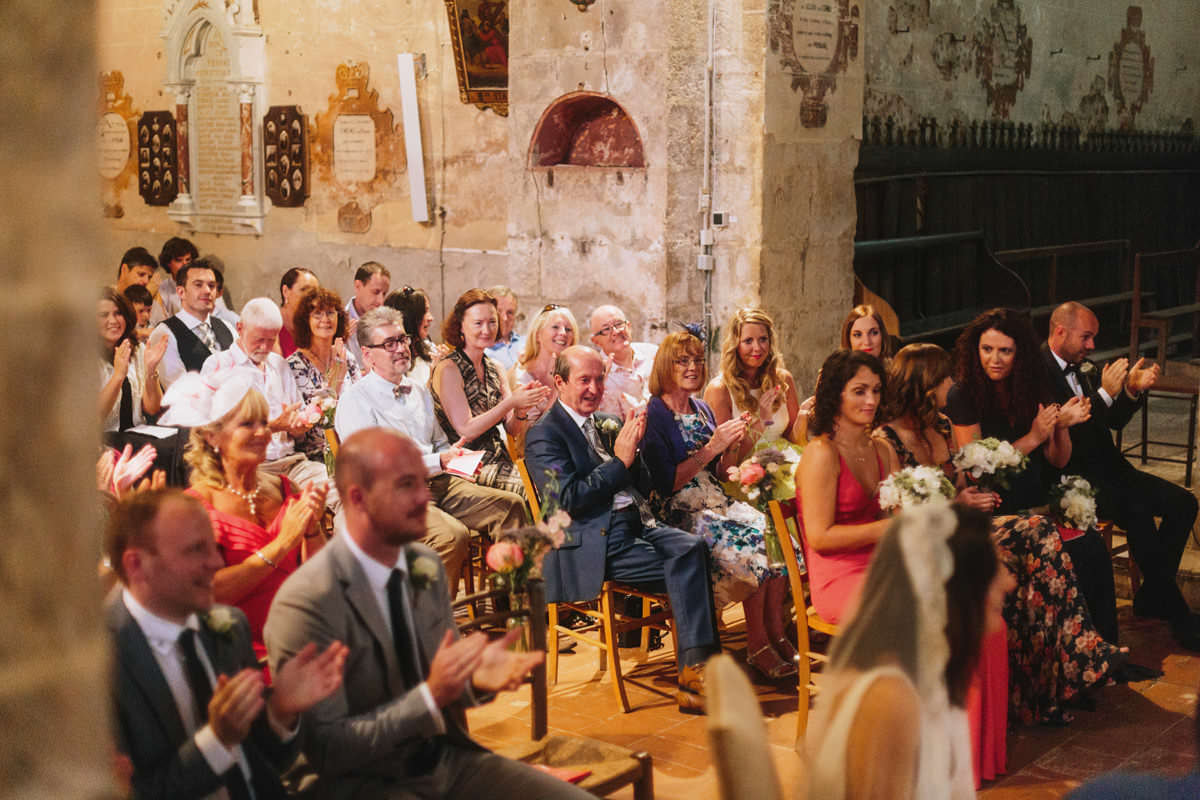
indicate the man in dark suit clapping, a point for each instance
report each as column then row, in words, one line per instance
column 192, row 713
column 612, row 534
column 1125, row 495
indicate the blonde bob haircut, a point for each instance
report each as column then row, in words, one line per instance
column 675, row 346
column 202, row 456
column 533, row 347
column 769, row 375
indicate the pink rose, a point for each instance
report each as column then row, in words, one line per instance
column 752, row 473
column 505, row 556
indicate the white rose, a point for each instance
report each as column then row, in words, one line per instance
column 889, row 495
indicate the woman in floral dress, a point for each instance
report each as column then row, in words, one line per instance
column 319, row 364
column 681, row 446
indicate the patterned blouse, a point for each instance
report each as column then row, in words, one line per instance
column 312, row 382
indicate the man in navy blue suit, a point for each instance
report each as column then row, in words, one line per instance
column 612, row 533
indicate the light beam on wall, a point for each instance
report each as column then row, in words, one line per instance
column 406, row 63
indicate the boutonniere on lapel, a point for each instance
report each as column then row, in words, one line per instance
column 422, row 571
column 219, row 620
column 1087, row 369
column 609, row 426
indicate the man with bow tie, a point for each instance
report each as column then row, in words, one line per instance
column 193, row 715
column 387, row 398
column 612, row 534
column 1126, row 495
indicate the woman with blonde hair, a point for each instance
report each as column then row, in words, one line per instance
column 265, row 526
column 553, row 330
column 753, row 383
column 685, row 451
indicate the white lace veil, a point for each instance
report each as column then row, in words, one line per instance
column 900, row 622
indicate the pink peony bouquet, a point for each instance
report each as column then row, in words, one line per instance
column 320, row 411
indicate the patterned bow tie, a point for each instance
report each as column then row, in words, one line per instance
column 401, row 389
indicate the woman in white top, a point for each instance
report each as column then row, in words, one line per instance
column 129, row 384
column 890, row 721
column 552, row 331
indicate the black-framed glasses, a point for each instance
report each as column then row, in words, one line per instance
column 613, row 328
column 393, row 344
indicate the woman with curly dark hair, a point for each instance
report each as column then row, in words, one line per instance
column 839, row 477
column 1055, row 651
column 471, row 398
column 320, row 364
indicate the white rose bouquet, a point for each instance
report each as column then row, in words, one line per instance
column 990, row 462
column 915, row 486
column 1073, row 502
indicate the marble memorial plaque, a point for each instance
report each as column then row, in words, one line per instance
column 354, row 148
column 114, row 142
column 216, row 132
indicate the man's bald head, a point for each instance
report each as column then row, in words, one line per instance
column 579, row 376
column 362, row 455
column 602, row 315
column 1073, row 329
column 382, row 482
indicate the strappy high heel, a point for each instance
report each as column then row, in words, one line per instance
column 774, row 671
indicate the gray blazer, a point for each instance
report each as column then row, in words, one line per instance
column 166, row 762
column 369, row 733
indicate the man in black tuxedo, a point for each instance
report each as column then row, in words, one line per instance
column 1125, row 495
column 192, row 713
column 612, row 534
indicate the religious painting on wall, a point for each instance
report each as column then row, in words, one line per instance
column 479, row 34
column 158, row 158
column 285, row 155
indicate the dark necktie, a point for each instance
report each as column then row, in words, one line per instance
column 126, row 412
column 235, row 781
column 405, row 643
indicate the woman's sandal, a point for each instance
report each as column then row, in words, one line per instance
column 786, row 650
column 776, row 671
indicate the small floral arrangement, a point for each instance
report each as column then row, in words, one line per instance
column 915, row 486
column 758, row 476
column 990, row 462
column 320, row 411
column 608, row 425
column 517, row 556
column 1073, row 502
column 219, row 620
column 422, row 571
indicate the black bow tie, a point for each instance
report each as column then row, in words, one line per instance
column 401, row 389
column 1071, row 369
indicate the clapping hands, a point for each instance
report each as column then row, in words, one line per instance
column 1074, row 411
column 630, row 438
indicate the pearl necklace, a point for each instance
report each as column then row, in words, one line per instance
column 251, row 498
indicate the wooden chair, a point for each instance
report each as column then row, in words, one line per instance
column 612, row 767
column 605, row 622
column 737, row 735
column 1121, row 551
column 781, row 512
column 1178, row 381
column 332, row 441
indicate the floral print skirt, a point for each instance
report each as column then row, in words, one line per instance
column 1054, row 651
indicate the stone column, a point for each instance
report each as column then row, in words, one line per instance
column 183, row 201
column 54, row 657
column 246, row 101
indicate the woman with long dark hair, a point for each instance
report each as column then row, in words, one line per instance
column 413, row 305
column 129, row 386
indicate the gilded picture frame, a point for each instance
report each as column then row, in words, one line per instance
column 479, row 36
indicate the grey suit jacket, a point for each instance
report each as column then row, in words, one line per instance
column 166, row 761
column 370, row 731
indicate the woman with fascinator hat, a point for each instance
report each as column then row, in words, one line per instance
column 890, row 720
column 265, row 525
column 684, row 450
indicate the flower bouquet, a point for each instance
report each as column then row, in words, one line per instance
column 768, row 474
column 1073, row 506
column 914, row 486
column 319, row 413
column 991, row 463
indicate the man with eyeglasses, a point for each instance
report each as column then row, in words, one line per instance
column 386, row 397
column 627, row 383
column 509, row 343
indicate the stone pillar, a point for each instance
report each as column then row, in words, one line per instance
column 181, row 129
column 54, row 658
column 246, row 104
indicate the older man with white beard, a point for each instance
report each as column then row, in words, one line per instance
column 257, row 331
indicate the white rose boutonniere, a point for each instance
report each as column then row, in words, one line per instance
column 422, row 572
column 609, row 425
column 219, row 620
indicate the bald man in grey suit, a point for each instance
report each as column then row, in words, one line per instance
column 393, row 730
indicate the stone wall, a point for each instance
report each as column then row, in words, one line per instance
column 1035, row 62
column 53, row 652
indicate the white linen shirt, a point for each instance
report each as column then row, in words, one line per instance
column 277, row 384
column 172, row 368
column 633, row 381
column 372, row 402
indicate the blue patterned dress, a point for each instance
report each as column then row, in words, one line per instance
column 732, row 529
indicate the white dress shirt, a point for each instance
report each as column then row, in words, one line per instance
column 1073, row 381
column 168, row 304
column 163, row 637
column 623, row 498
column 377, row 577
column 633, row 381
column 352, row 346
column 172, row 368
column 372, row 402
column 137, row 380
column 278, row 385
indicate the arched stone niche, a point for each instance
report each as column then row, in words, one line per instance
column 216, row 65
column 586, row 129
